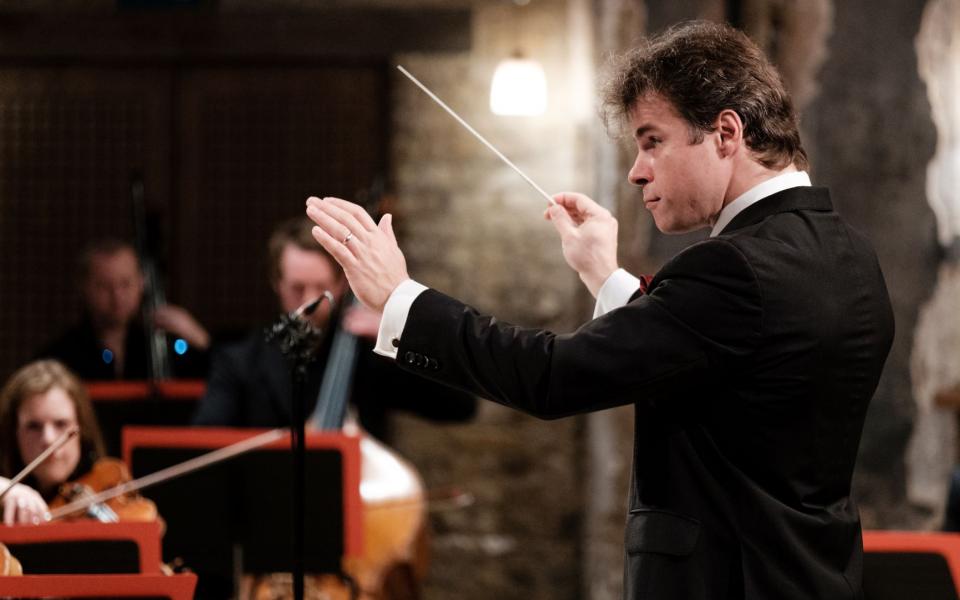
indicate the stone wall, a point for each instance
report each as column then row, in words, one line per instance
column 473, row 228
column 932, row 450
column 870, row 137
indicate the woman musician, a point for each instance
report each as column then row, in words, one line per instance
column 38, row 403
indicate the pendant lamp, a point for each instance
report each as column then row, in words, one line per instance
column 519, row 87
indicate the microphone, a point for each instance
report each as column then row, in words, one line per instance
column 308, row 308
column 296, row 335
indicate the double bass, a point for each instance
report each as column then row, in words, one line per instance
column 158, row 352
column 392, row 493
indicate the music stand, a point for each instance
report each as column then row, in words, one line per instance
column 85, row 547
column 917, row 564
column 233, row 517
column 175, row 587
column 161, row 403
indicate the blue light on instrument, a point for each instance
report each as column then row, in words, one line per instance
column 107, row 356
column 181, row 346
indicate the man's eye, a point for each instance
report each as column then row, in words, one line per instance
column 651, row 142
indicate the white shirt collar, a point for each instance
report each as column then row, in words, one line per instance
column 757, row 193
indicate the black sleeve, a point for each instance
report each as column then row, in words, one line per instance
column 380, row 380
column 703, row 306
column 221, row 403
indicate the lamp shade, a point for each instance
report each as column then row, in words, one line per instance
column 519, row 88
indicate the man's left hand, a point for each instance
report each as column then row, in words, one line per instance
column 368, row 252
column 179, row 322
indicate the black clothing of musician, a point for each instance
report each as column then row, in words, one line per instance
column 250, row 386
column 85, row 354
column 110, row 341
column 250, row 382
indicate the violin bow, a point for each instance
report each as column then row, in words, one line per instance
column 466, row 125
column 65, row 437
column 189, row 466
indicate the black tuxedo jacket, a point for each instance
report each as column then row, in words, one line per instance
column 250, row 386
column 750, row 362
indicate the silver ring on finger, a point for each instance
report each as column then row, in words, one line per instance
column 348, row 238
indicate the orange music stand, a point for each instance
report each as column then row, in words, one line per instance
column 67, row 540
column 175, row 587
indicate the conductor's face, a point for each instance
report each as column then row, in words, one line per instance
column 304, row 276
column 113, row 289
column 684, row 183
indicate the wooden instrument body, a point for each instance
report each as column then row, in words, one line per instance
column 9, row 565
column 106, row 473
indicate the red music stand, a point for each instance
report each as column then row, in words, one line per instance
column 211, row 438
column 175, row 587
column 235, row 516
column 174, row 389
column 146, row 537
column 162, row 403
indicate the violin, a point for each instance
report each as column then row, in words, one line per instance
column 106, row 474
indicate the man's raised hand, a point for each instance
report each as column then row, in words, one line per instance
column 588, row 236
column 367, row 251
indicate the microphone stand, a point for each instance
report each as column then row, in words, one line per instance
column 298, row 341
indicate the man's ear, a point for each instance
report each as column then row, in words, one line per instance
column 730, row 127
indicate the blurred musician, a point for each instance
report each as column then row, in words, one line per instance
column 110, row 341
column 249, row 384
column 37, row 404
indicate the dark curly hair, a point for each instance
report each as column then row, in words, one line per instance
column 703, row 68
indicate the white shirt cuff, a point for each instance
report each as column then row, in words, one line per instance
column 394, row 318
column 615, row 292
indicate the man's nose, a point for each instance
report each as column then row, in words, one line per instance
column 640, row 173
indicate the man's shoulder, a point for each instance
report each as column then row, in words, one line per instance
column 245, row 350
column 717, row 256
